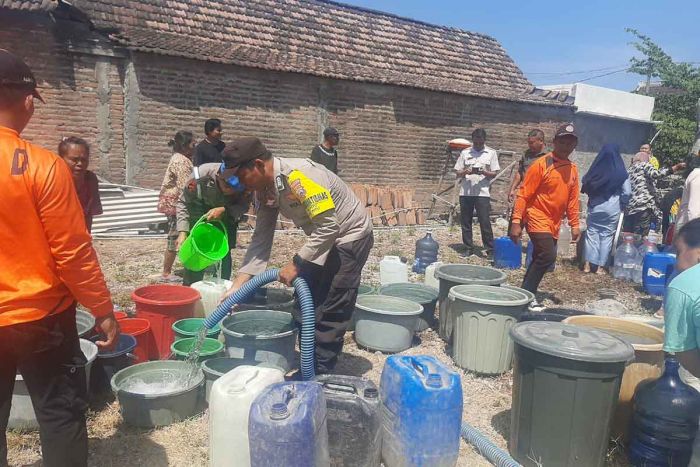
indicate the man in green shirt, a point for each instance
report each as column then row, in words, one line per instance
column 682, row 301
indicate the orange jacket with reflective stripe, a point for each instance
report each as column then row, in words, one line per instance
column 46, row 257
column 549, row 191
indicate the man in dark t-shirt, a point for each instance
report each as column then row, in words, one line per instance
column 535, row 149
column 209, row 149
column 325, row 153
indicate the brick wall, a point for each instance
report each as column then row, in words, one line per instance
column 130, row 108
column 69, row 85
column 389, row 135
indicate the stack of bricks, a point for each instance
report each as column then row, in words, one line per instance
column 389, row 206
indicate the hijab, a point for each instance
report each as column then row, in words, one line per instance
column 606, row 175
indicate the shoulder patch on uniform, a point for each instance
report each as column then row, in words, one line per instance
column 279, row 183
column 315, row 198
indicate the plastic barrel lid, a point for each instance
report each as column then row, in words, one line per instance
column 571, row 342
column 489, row 295
column 470, row 274
column 386, row 305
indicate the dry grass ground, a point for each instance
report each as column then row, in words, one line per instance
column 129, row 263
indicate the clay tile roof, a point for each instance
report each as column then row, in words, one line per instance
column 29, row 5
column 316, row 37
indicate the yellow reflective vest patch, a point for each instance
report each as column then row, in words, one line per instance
column 315, row 198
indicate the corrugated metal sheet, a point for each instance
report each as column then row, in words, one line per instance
column 128, row 210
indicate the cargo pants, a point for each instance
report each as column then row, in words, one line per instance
column 334, row 290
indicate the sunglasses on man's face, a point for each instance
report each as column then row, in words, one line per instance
column 231, row 180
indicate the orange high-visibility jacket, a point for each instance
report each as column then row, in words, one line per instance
column 46, row 257
column 550, row 190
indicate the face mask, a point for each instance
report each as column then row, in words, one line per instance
column 232, row 181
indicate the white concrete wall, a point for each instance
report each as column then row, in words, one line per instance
column 612, row 102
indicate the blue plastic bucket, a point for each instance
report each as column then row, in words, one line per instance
column 506, row 254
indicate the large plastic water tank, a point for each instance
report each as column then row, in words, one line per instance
column 288, row 427
column 458, row 274
column 422, row 412
column 566, row 381
column 483, row 315
column 230, row 400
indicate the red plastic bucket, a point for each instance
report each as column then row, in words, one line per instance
column 141, row 330
column 162, row 305
column 120, row 315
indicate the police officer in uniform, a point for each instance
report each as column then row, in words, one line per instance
column 210, row 194
column 338, row 229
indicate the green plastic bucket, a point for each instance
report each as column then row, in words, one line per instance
column 190, row 327
column 210, row 348
column 206, row 244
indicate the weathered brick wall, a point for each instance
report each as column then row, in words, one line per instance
column 76, row 104
column 180, row 94
column 389, row 135
column 130, row 108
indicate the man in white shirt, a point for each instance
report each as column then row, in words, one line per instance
column 476, row 167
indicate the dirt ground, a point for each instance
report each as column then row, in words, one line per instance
column 128, row 263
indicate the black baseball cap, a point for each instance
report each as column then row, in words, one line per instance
column 330, row 131
column 242, row 150
column 15, row 73
column 566, row 129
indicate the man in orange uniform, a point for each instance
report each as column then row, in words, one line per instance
column 550, row 190
column 46, row 263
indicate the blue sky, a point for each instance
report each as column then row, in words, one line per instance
column 560, row 36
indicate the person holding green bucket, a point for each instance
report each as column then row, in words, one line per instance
column 208, row 212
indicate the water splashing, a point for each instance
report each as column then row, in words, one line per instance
column 192, row 359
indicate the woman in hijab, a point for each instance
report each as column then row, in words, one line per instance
column 608, row 189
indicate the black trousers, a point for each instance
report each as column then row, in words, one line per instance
column 544, row 255
column 483, row 214
column 334, row 290
column 47, row 354
column 640, row 222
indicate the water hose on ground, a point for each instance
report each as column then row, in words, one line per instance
column 486, row 448
column 308, row 314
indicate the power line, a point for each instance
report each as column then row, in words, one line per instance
column 604, row 74
column 573, row 72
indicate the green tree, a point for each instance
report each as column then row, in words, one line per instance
column 677, row 110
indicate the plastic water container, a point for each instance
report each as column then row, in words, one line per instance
column 628, row 263
column 392, row 270
column 566, row 381
column 229, row 406
column 506, row 254
column 426, row 252
column 211, row 292
column 288, row 427
column 665, row 420
column 658, row 267
column 430, row 279
column 564, row 241
column 162, row 305
column 421, row 412
column 354, row 420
